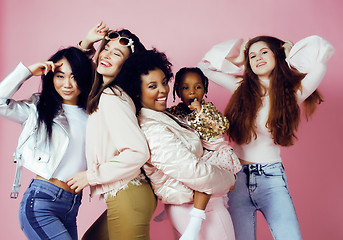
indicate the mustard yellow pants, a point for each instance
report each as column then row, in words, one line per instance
column 127, row 216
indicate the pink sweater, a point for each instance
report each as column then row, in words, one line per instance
column 116, row 148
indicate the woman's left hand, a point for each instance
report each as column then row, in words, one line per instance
column 78, row 181
column 287, row 46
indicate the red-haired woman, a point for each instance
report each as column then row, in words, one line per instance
column 264, row 114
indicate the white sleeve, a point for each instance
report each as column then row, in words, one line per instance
column 17, row 111
column 218, row 68
column 309, row 56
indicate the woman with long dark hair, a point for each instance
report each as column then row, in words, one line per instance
column 116, row 147
column 264, row 114
column 52, row 142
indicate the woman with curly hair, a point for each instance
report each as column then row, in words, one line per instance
column 175, row 168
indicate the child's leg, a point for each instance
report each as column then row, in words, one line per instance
column 197, row 215
column 201, row 200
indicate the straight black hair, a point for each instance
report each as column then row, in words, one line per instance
column 50, row 102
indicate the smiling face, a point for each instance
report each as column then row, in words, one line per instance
column 65, row 84
column 111, row 59
column 155, row 90
column 261, row 59
column 191, row 87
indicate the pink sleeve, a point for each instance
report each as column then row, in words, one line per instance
column 126, row 137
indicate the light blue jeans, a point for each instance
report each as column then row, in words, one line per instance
column 49, row 212
column 263, row 187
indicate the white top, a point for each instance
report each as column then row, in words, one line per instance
column 309, row 56
column 74, row 159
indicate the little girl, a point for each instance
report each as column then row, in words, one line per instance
column 191, row 85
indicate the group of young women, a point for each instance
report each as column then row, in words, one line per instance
column 106, row 125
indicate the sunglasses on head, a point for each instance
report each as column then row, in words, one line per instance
column 124, row 41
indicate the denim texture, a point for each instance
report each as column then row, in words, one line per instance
column 264, row 188
column 49, row 212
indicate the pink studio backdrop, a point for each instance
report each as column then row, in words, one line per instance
column 185, row 29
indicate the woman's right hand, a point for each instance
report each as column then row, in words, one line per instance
column 96, row 34
column 41, row 68
column 239, row 60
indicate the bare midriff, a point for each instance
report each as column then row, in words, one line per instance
column 57, row 183
column 243, row 162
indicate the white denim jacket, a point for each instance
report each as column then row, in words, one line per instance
column 35, row 151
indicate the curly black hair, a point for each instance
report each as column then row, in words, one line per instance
column 129, row 78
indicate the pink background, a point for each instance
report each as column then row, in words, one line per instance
column 185, row 29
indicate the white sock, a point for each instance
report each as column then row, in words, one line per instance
column 194, row 225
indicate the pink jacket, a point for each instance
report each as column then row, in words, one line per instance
column 174, row 168
column 116, row 148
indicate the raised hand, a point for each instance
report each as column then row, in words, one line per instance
column 41, row 68
column 287, row 46
column 96, row 34
column 195, row 105
column 238, row 59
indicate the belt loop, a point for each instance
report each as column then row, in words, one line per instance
column 59, row 194
column 259, row 169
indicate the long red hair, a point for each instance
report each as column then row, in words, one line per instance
column 284, row 112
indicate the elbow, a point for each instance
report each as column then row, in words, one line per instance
column 143, row 155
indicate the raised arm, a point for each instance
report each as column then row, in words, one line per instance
column 94, row 35
column 309, row 56
column 223, row 61
column 18, row 111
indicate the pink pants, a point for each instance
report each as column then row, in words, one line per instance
column 217, row 225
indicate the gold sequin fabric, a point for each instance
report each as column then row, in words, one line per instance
column 209, row 123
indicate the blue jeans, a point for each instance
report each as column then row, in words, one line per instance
column 263, row 187
column 49, row 212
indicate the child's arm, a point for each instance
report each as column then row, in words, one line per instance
column 209, row 122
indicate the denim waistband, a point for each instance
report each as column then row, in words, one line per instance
column 53, row 189
column 260, row 168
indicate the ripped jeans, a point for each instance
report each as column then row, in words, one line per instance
column 263, row 187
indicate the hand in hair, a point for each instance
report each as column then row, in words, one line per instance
column 287, row 46
column 41, row 68
column 96, row 34
column 238, row 59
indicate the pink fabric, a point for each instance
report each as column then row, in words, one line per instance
column 217, row 225
column 223, row 157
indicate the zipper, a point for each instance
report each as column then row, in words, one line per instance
column 26, row 139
